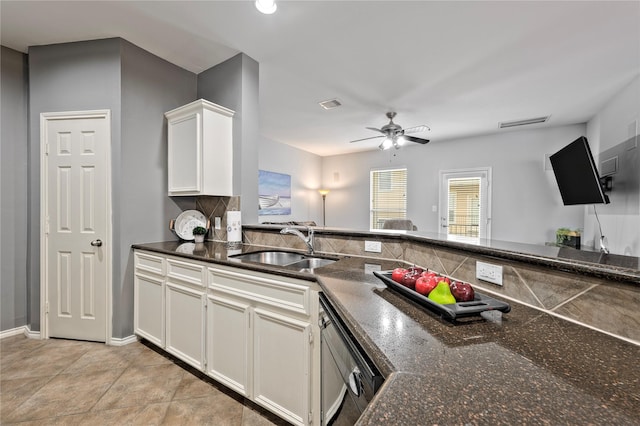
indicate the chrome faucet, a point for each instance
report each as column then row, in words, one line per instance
column 308, row 240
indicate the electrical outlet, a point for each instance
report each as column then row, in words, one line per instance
column 373, row 246
column 370, row 267
column 217, row 223
column 489, row 272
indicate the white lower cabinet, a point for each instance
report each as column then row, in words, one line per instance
column 148, row 296
column 256, row 333
column 229, row 342
column 281, row 364
column 262, row 334
column 185, row 311
column 185, row 324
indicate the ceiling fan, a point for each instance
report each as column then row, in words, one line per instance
column 394, row 135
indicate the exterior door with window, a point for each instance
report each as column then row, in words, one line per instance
column 465, row 204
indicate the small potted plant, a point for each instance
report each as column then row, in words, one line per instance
column 568, row 237
column 199, row 233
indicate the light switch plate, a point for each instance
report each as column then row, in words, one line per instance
column 489, row 272
column 373, row 246
column 217, row 224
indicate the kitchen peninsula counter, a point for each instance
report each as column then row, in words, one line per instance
column 523, row 367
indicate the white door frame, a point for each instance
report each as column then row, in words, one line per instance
column 45, row 118
column 484, row 172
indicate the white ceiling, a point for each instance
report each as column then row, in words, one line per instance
column 458, row 67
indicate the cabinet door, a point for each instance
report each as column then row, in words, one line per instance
column 185, row 151
column 185, row 323
column 228, row 342
column 148, row 318
column 281, row 365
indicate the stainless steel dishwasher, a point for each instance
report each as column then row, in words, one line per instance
column 349, row 378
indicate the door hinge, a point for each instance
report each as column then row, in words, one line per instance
column 310, row 419
column 46, row 149
column 310, row 338
column 46, row 307
column 46, row 226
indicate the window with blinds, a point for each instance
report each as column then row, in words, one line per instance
column 464, row 206
column 388, row 196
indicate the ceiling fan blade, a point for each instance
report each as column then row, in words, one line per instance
column 417, row 129
column 375, row 130
column 364, row 139
column 417, row 140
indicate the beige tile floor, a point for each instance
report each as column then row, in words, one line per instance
column 68, row 382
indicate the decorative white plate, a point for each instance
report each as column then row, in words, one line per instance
column 186, row 221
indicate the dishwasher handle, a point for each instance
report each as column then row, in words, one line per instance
column 355, row 382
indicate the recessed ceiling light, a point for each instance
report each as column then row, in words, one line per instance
column 266, row 6
column 330, row 104
column 515, row 123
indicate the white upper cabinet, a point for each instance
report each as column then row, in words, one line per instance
column 200, row 157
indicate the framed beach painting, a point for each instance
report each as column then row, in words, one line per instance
column 274, row 193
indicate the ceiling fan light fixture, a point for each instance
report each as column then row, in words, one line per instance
column 266, row 6
column 386, row 144
column 400, row 140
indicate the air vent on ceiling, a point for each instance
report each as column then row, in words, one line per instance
column 507, row 124
column 330, row 104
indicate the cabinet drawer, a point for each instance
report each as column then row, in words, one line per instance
column 149, row 263
column 289, row 296
column 192, row 273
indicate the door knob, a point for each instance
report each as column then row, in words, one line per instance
column 96, row 243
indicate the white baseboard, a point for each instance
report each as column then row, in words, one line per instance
column 13, row 332
column 116, row 341
column 32, row 334
column 20, row 330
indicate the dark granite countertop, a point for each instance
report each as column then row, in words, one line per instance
column 585, row 261
column 524, row 367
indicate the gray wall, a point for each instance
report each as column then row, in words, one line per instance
column 614, row 130
column 306, row 172
column 234, row 84
column 526, row 204
column 67, row 77
column 150, row 87
column 13, row 188
column 138, row 88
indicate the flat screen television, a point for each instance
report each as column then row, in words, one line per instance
column 576, row 174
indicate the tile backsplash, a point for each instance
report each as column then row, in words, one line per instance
column 610, row 307
column 214, row 206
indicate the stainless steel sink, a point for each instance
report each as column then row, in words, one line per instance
column 311, row 263
column 286, row 259
column 280, row 258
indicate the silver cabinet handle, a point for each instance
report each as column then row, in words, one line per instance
column 96, row 243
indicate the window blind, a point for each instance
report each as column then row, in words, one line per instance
column 388, row 196
column 464, row 207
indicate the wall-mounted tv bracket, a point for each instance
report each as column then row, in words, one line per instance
column 606, row 182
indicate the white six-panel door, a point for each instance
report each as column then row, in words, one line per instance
column 76, row 214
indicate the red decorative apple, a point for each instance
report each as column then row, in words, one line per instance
column 411, row 277
column 398, row 274
column 428, row 274
column 415, row 269
column 463, row 292
column 424, row 285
